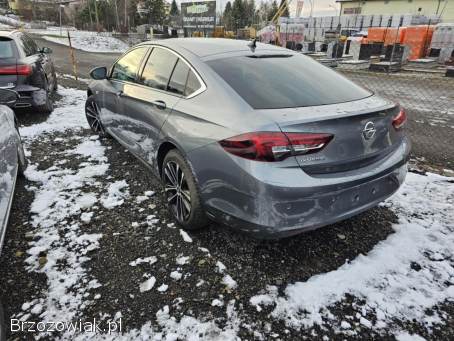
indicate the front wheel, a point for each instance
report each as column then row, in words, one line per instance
column 93, row 119
column 181, row 192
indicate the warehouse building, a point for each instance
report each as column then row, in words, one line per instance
column 442, row 8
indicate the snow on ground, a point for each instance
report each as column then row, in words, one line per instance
column 69, row 114
column 5, row 27
column 85, row 40
column 400, row 278
column 60, row 247
column 82, row 80
column 116, row 194
column 60, row 198
column 11, row 21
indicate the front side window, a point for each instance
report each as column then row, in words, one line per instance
column 158, row 69
column 127, row 67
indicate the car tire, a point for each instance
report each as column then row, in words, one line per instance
column 92, row 116
column 181, row 189
column 2, row 324
column 21, row 161
column 48, row 106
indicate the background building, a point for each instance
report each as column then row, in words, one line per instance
column 443, row 8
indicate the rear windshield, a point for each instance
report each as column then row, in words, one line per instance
column 6, row 48
column 285, row 81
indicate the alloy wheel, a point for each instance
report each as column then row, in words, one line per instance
column 177, row 191
column 92, row 113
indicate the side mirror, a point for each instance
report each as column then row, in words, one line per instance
column 99, row 73
column 46, row 50
column 8, row 97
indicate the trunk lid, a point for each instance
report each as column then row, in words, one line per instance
column 363, row 133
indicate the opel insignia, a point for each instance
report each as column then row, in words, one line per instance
column 254, row 136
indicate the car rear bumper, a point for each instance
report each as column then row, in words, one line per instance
column 29, row 96
column 301, row 202
column 307, row 214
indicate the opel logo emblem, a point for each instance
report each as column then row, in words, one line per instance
column 369, row 130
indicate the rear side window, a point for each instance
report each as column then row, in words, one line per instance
column 127, row 67
column 177, row 83
column 285, row 81
column 32, row 45
column 158, row 69
column 7, row 49
column 28, row 45
column 193, row 84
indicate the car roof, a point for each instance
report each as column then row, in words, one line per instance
column 203, row 47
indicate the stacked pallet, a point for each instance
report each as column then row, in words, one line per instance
column 418, row 38
column 354, row 64
column 376, row 34
column 443, row 41
column 395, row 35
column 387, row 35
column 423, row 63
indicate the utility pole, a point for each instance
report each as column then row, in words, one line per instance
column 116, row 14
column 97, row 17
column 60, row 7
column 438, row 7
column 89, row 13
column 126, row 16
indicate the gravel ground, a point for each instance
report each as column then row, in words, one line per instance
column 141, row 228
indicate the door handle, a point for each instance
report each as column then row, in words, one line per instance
column 159, row 104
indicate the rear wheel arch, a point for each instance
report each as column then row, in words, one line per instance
column 164, row 148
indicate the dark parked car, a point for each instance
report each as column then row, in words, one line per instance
column 255, row 136
column 28, row 70
column 12, row 163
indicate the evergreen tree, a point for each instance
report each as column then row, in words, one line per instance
column 174, row 9
column 249, row 11
column 156, row 14
column 227, row 17
column 238, row 14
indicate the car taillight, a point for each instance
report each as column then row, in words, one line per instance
column 24, row 70
column 274, row 146
column 400, row 119
column 21, row 69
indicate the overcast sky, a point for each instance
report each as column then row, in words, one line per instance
column 320, row 7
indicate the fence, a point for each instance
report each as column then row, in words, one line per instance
column 428, row 99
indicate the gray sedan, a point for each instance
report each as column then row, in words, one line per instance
column 251, row 135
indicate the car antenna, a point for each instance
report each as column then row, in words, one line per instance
column 253, row 44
